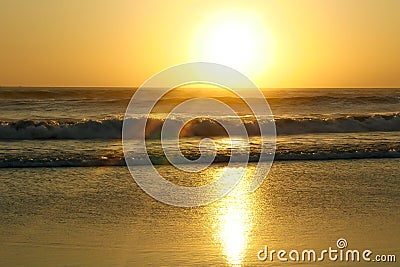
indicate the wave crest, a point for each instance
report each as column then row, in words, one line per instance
column 111, row 128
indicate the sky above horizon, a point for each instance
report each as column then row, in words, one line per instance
column 277, row 43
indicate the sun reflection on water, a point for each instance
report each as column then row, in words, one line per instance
column 234, row 222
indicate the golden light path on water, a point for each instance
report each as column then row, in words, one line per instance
column 234, row 221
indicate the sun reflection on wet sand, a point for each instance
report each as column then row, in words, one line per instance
column 234, row 221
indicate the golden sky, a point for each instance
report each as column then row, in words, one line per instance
column 277, row 43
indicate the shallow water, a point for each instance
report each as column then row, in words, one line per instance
column 98, row 216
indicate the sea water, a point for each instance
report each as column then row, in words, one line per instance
column 67, row 198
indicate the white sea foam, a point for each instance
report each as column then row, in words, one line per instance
column 111, row 128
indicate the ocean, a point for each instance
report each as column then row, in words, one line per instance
column 67, row 198
column 59, row 127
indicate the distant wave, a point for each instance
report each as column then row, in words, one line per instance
column 111, row 128
column 306, row 100
column 123, row 95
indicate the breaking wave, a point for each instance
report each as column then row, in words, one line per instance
column 111, row 128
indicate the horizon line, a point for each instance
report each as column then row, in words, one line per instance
column 135, row 87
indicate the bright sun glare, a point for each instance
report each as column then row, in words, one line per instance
column 237, row 40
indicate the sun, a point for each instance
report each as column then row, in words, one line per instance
column 238, row 40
